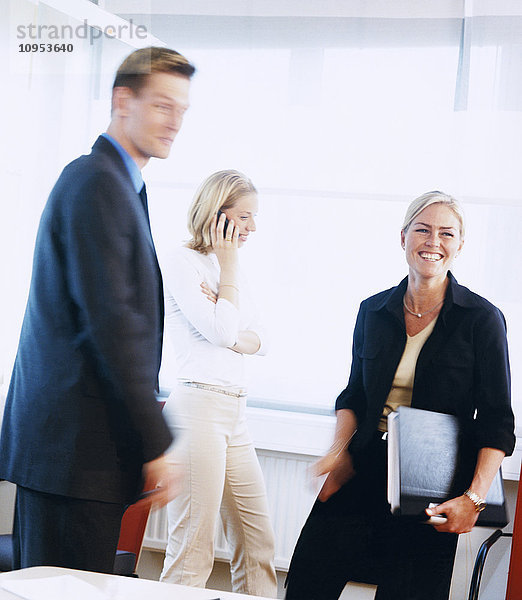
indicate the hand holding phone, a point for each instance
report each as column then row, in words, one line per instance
column 220, row 212
column 224, row 235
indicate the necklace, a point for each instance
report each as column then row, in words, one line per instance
column 419, row 314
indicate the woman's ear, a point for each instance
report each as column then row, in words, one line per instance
column 459, row 248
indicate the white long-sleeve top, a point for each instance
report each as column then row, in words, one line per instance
column 202, row 332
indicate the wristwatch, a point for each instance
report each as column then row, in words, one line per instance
column 480, row 503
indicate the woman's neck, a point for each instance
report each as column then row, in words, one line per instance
column 423, row 294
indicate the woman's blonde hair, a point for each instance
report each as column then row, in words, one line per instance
column 422, row 202
column 220, row 191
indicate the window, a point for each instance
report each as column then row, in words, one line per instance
column 339, row 140
column 340, row 120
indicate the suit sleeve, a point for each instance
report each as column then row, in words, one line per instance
column 115, row 290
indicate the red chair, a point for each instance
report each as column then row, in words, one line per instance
column 514, row 585
column 133, row 527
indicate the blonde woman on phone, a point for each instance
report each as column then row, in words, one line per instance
column 213, row 323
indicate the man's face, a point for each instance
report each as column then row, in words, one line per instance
column 153, row 117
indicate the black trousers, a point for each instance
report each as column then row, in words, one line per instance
column 58, row 531
column 354, row 537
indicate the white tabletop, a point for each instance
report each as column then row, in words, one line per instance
column 53, row 583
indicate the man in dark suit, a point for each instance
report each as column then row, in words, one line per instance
column 82, row 431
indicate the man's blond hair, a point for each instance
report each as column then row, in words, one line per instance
column 137, row 67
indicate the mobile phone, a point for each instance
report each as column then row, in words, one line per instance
column 220, row 212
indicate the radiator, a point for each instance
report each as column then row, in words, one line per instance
column 290, row 498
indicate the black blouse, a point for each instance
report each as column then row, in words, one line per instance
column 462, row 369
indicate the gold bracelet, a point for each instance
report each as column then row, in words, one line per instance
column 229, row 285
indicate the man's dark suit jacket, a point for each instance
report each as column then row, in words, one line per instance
column 81, row 416
column 462, row 369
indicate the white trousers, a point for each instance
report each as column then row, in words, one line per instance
column 223, row 476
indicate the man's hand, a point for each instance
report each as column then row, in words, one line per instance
column 162, row 482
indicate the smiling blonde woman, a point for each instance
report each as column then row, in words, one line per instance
column 432, row 344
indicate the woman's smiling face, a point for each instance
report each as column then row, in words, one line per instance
column 243, row 213
column 432, row 241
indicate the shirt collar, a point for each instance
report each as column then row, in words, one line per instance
column 132, row 167
column 455, row 294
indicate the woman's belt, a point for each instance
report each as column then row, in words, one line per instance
column 240, row 393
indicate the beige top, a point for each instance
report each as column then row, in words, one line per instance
column 402, row 385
